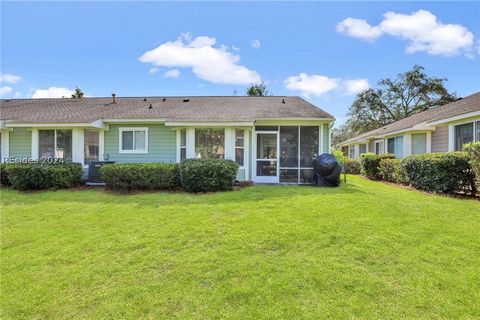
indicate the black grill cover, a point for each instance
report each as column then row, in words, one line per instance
column 326, row 170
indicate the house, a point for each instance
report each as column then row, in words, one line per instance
column 273, row 139
column 440, row 129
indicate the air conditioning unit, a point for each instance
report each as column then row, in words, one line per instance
column 94, row 170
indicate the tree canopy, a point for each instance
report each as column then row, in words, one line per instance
column 258, row 90
column 78, row 94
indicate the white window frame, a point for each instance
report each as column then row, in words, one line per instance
column 236, row 147
column 120, row 140
column 473, row 122
column 351, row 147
column 54, row 141
column 375, row 146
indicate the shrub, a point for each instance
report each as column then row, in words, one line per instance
column 205, row 175
column 446, row 172
column 370, row 162
column 473, row 150
column 352, row 166
column 392, row 170
column 339, row 155
column 140, row 176
column 38, row 176
column 4, row 175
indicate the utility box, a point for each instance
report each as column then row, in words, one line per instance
column 94, row 170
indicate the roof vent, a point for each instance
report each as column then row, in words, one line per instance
column 144, row 99
column 150, row 107
column 186, row 100
column 113, row 98
column 459, row 99
column 283, row 101
column 164, row 99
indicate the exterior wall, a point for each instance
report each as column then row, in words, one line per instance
column 20, row 143
column 161, row 145
column 371, row 147
column 326, row 138
column 440, row 139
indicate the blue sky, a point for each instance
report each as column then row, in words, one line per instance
column 323, row 51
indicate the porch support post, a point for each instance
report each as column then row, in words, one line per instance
column 451, row 137
column 5, row 146
column 230, row 143
column 407, row 144
column 34, row 149
column 77, row 145
column 101, row 145
column 190, row 143
column 428, row 142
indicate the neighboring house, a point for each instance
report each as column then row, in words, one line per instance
column 273, row 139
column 440, row 129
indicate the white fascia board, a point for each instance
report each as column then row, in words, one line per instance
column 99, row 124
column 413, row 129
column 454, row 118
column 152, row 120
column 209, row 124
column 2, row 124
column 49, row 124
column 296, row 119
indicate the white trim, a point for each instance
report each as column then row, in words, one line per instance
column 428, row 142
column 190, row 143
column 35, row 142
column 150, row 120
column 78, row 140
column 246, row 148
column 266, row 179
column 101, row 145
column 120, row 136
column 229, row 144
column 55, row 125
column 209, row 124
column 320, row 139
column 178, row 137
column 451, row 137
column 407, row 144
column 454, row 118
column 295, row 119
column 5, row 145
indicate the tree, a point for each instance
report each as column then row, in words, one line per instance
column 78, row 94
column 258, row 90
column 409, row 93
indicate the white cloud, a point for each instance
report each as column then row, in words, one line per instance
column 174, row 73
column 153, row 70
column 355, row 86
column 256, row 44
column 217, row 65
column 53, row 92
column 316, row 85
column 5, row 90
column 421, row 29
column 9, row 78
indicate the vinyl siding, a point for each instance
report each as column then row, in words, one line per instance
column 161, row 145
column 440, row 139
column 326, row 138
column 20, row 143
column 371, row 147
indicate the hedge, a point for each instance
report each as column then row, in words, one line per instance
column 205, row 175
column 370, row 163
column 446, row 172
column 140, row 176
column 473, row 150
column 39, row 176
column 4, row 175
column 392, row 170
column 352, row 166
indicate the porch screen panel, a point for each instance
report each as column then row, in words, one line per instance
column 64, row 145
column 210, row 143
column 91, row 149
column 308, row 152
column 289, row 154
column 46, row 144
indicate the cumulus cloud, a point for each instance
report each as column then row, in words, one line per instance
column 5, row 90
column 153, row 70
column 421, row 29
column 318, row 85
column 256, row 44
column 355, row 86
column 9, row 78
column 174, row 73
column 210, row 63
column 53, row 92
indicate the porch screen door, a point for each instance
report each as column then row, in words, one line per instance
column 266, row 157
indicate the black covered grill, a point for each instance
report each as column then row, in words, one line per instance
column 326, row 170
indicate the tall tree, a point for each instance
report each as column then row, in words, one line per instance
column 409, row 93
column 258, row 90
column 78, row 94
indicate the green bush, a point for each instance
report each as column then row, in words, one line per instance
column 205, row 175
column 339, row 155
column 370, row 163
column 446, row 172
column 392, row 170
column 125, row 177
column 3, row 175
column 473, row 150
column 39, row 176
column 352, row 166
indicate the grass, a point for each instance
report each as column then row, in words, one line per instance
column 363, row 250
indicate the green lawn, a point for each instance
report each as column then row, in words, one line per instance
column 364, row 250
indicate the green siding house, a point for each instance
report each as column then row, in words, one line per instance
column 273, row 139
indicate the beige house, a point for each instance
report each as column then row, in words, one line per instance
column 445, row 128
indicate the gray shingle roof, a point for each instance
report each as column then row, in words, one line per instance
column 168, row 108
column 465, row 105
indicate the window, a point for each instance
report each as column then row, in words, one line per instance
column 55, row 144
column 351, row 152
column 477, row 131
column 379, row 147
column 239, row 146
column 183, row 144
column 210, row 143
column 91, row 146
column 133, row 140
column 395, row 146
column 463, row 134
column 362, row 148
column 419, row 143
